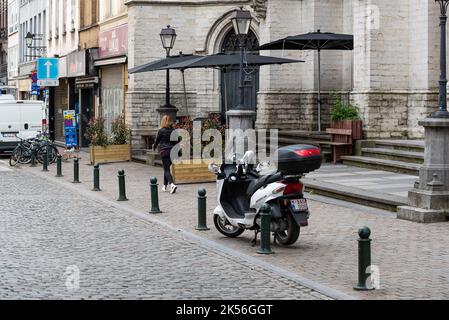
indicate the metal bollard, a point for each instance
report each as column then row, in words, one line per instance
column 265, row 230
column 59, row 167
column 96, row 178
column 121, row 186
column 364, row 259
column 76, row 171
column 154, row 196
column 202, row 224
column 45, row 163
column 33, row 159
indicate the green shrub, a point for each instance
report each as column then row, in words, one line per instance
column 120, row 133
column 96, row 132
column 342, row 111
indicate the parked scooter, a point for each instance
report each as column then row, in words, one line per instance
column 243, row 190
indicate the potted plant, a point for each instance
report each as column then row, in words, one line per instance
column 346, row 116
column 193, row 171
column 106, row 148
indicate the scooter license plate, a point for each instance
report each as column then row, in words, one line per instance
column 299, row 205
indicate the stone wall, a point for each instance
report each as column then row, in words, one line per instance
column 395, row 114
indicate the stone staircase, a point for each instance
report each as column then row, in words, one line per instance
column 400, row 156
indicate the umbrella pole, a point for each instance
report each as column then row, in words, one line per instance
column 185, row 92
column 319, row 91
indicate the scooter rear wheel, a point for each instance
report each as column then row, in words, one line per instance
column 225, row 228
column 291, row 234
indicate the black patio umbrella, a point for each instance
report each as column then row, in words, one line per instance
column 227, row 61
column 313, row 41
column 158, row 64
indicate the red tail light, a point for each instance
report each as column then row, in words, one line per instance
column 308, row 152
column 293, row 187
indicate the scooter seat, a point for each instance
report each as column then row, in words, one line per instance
column 262, row 182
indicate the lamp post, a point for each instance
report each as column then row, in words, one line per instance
column 442, row 111
column 168, row 38
column 241, row 117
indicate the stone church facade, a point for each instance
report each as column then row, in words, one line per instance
column 392, row 73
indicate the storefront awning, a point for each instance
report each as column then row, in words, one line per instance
column 110, row 61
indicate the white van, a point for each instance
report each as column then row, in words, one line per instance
column 23, row 118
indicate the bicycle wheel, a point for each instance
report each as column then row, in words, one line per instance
column 25, row 155
column 52, row 155
column 15, row 156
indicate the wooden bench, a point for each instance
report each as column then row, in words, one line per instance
column 341, row 143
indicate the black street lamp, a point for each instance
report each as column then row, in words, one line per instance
column 241, row 20
column 168, row 38
column 30, row 38
column 442, row 112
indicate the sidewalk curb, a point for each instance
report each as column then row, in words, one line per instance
column 206, row 243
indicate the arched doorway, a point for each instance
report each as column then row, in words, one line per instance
column 230, row 78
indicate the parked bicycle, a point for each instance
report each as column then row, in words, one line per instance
column 40, row 146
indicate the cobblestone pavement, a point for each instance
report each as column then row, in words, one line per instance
column 50, row 234
column 413, row 258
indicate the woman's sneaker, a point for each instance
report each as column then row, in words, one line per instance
column 173, row 188
column 164, row 188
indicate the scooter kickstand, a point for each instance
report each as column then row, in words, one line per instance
column 254, row 241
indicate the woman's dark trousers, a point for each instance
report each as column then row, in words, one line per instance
column 166, row 162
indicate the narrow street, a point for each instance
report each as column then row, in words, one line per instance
column 56, row 244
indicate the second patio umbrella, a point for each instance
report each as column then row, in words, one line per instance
column 313, row 41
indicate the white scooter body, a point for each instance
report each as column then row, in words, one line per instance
column 260, row 197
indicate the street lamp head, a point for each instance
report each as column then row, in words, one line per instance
column 168, row 38
column 29, row 39
column 443, row 6
column 241, row 20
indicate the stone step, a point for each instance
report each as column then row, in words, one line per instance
column 394, row 154
column 405, row 145
column 382, row 164
column 355, row 195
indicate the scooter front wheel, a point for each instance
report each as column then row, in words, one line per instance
column 227, row 229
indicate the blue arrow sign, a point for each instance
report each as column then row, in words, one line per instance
column 47, row 69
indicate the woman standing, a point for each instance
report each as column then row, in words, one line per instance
column 165, row 146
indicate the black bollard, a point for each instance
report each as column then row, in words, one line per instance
column 33, row 159
column 265, row 230
column 154, row 196
column 76, row 171
column 96, row 178
column 45, row 163
column 202, row 223
column 121, row 186
column 364, row 259
column 59, row 167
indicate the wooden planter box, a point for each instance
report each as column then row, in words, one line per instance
column 112, row 153
column 192, row 173
column 355, row 125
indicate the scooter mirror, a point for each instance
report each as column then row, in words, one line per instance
column 214, row 168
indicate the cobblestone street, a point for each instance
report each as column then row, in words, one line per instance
column 413, row 258
column 49, row 234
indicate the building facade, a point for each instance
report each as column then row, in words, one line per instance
column 13, row 43
column 3, row 42
column 112, row 60
column 392, row 73
column 32, row 17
